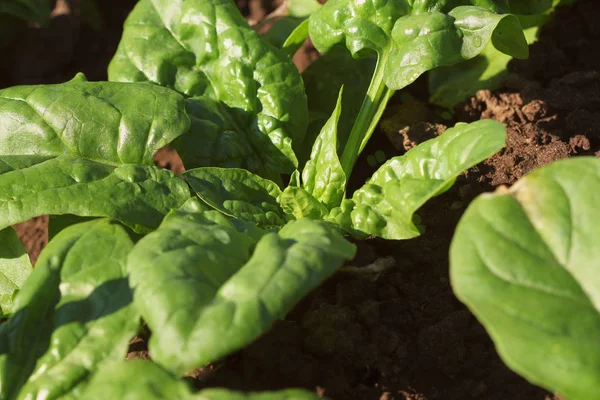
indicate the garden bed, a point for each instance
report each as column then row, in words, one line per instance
column 391, row 328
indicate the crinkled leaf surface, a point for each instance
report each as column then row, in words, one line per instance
column 108, row 122
column 413, row 37
column 15, row 267
column 144, row 380
column 298, row 203
column 526, row 262
column 205, row 48
column 73, row 314
column 323, row 176
column 30, row 10
column 138, row 196
column 238, row 193
column 70, row 149
column 227, row 294
column 385, row 205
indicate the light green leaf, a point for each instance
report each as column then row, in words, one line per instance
column 73, row 314
column 205, row 48
column 413, row 38
column 298, row 203
column 302, row 8
column 30, row 10
column 238, row 193
column 15, row 267
column 112, row 123
column 138, row 196
column 323, row 176
column 525, row 260
column 296, row 38
column 386, row 204
column 225, row 297
column 144, row 380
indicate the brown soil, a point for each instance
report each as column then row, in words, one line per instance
column 398, row 332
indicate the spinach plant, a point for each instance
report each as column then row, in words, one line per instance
column 211, row 259
column 525, row 260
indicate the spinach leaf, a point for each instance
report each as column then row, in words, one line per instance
column 238, row 193
column 73, row 314
column 298, row 203
column 230, row 288
column 525, row 261
column 205, row 48
column 84, row 139
column 15, row 267
column 30, row 10
column 386, row 204
column 139, row 379
column 409, row 38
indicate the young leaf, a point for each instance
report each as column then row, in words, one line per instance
column 140, row 379
column 298, row 203
column 206, row 48
column 73, row 314
column 223, row 302
column 136, row 195
column 238, row 193
column 386, row 204
column 15, row 267
column 112, row 123
column 323, row 176
column 525, row 261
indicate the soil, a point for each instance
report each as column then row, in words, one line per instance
column 388, row 326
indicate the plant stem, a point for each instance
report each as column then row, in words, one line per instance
column 370, row 112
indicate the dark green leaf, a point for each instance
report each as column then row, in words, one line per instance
column 15, row 267
column 385, row 206
column 238, row 193
column 138, row 196
column 526, row 261
column 224, row 301
column 205, row 48
column 30, row 10
column 73, row 314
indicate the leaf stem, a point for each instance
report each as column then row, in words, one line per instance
column 368, row 116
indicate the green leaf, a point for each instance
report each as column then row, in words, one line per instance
column 15, row 267
column 296, row 38
column 298, row 203
column 386, row 204
column 73, row 314
column 413, row 38
column 525, row 7
column 525, row 261
column 238, row 193
column 205, row 48
column 112, row 123
column 302, row 8
column 225, row 297
column 141, row 379
column 30, row 10
column 323, row 176
column 138, row 196
column 323, row 80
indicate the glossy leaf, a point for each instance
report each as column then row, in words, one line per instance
column 112, row 123
column 73, row 314
column 525, row 261
column 138, row 196
column 205, row 48
column 226, row 298
column 144, row 380
column 15, row 267
column 298, row 203
column 413, row 38
column 238, row 193
column 323, row 176
column 386, row 204
column 30, row 10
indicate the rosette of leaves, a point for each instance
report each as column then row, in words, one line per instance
column 525, row 260
column 83, row 151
